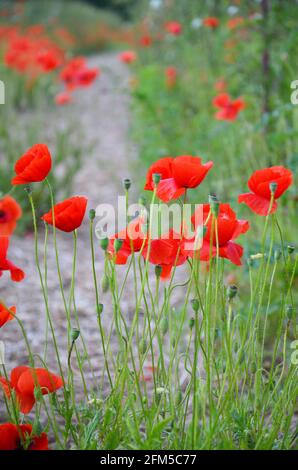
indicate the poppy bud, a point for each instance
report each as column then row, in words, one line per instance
column 164, row 326
column 104, row 243
column 273, row 187
column 290, row 312
column 143, row 346
column 74, row 334
column 156, row 177
column 142, row 201
column 28, row 189
column 158, row 270
column 92, row 214
column 250, row 262
column 290, row 249
column 232, row 292
column 105, row 284
column 126, row 184
column 118, row 244
column 100, row 309
column 191, row 323
column 195, row 305
column 277, row 255
column 214, row 204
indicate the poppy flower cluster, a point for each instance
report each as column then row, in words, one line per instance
column 21, row 437
column 75, row 74
column 228, row 109
column 23, row 382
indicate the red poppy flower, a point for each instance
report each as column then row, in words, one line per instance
column 211, row 22
column 128, row 57
column 10, row 212
column 166, row 252
column 171, row 76
column 33, row 166
column 76, row 74
column 177, row 174
column 24, row 380
column 16, row 273
column 235, row 22
column 228, row 229
column 146, row 41
column 228, row 109
column 68, row 214
column 5, row 315
column 12, row 437
column 220, row 85
column 63, row 98
column 132, row 238
column 174, row 28
column 259, row 183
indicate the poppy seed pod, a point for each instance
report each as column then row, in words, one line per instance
column 126, row 184
column 195, row 305
column 100, row 309
column 74, row 334
column 232, row 292
column 158, row 270
column 118, row 242
column 92, row 214
column 104, row 242
column 156, row 177
column 273, row 187
column 28, row 189
column 290, row 249
column 214, row 204
column 142, row 201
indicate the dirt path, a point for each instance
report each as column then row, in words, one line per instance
column 103, row 113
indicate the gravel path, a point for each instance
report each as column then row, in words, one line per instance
column 102, row 112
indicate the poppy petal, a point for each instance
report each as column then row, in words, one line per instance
column 257, row 204
column 167, row 189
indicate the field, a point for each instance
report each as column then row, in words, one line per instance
column 148, row 224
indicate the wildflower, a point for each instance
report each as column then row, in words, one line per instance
column 10, row 213
column 166, row 252
column 6, row 315
column 260, row 197
column 177, row 174
column 34, row 166
column 77, row 74
column 128, row 57
column 171, row 76
column 68, row 214
column 235, row 22
column 146, row 41
column 173, row 27
column 228, row 109
column 211, row 22
column 63, row 98
column 220, row 85
column 16, row 273
column 228, row 229
column 24, row 380
column 13, row 437
column 132, row 241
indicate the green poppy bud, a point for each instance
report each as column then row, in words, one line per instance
column 156, row 177
column 195, row 305
column 291, row 249
column 100, row 309
column 104, row 243
column 164, row 326
column 92, row 214
column 214, row 205
column 158, row 270
column 126, row 184
column 74, row 334
column 143, row 346
column 273, row 187
column 191, row 323
column 232, row 292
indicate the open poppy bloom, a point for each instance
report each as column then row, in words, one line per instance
column 146, row 41
column 235, row 22
column 13, row 437
column 228, row 229
column 132, row 241
column 68, row 214
column 258, row 200
column 24, row 380
column 77, row 74
column 33, row 166
column 211, row 22
column 5, row 314
column 177, row 175
column 166, row 251
column 10, row 212
column 174, row 28
column 228, row 109
column 128, row 57
column 16, row 273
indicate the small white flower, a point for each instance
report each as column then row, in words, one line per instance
column 232, row 10
column 196, row 23
column 155, row 4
